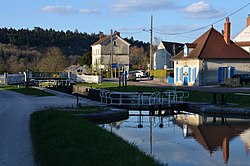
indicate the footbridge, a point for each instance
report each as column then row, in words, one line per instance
column 144, row 100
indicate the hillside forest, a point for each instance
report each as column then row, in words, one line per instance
column 48, row 50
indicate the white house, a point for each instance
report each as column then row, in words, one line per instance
column 165, row 51
column 243, row 38
column 209, row 59
column 105, row 53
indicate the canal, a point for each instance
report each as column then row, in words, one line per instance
column 186, row 138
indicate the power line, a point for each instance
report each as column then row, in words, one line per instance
column 186, row 32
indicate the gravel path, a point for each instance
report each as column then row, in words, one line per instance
column 15, row 110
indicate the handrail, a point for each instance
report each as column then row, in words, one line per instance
column 142, row 98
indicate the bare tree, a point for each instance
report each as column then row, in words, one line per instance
column 53, row 60
column 138, row 56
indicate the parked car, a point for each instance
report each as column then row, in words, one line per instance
column 130, row 76
column 244, row 78
column 140, row 73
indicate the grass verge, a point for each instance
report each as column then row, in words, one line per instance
column 26, row 91
column 61, row 138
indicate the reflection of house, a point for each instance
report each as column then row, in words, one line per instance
column 209, row 59
column 213, row 133
column 245, row 137
column 243, row 38
column 164, row 53
column 105, row 52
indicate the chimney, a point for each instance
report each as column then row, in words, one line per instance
column 117, row 33
column 248, row 20
column 227, row 31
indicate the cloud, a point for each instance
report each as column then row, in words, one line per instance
column 67, row 10
column 142, row 5
column 86, row 11
column 202, row 10
column 58, row 9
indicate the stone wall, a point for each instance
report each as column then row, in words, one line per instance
column 86, row 78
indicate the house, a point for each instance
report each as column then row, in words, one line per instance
column 106, row 53
column 210, row 58
column 74, row 68
column 165, row 51
column 243, row 38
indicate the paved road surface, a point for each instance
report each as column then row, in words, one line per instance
column 15, row 110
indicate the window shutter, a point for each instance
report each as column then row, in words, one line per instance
column 220, row 74
column 189, row 74
column 194, row 76
column 181, row 74
column 231, row 71
column 176, row 75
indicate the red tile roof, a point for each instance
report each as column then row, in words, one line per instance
column 242, row 43
column 212, row 45
column 101, row 40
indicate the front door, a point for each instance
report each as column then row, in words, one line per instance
column 185, row 80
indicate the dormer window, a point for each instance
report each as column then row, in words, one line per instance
column 115, row 43
column 186, row 51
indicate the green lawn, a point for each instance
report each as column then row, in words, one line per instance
column 194, row 95
column 26, row 91
column 63, row 139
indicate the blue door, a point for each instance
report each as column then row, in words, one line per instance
column 185, row 81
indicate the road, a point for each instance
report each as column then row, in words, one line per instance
column 15, row 109
column 15, row 141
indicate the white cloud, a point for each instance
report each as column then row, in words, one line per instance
column 58, row 9
column 142, row 5
column 203, row 10
column 86, row 11
column 66, row 10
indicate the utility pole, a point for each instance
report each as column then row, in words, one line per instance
column 111, row 54
column 151, row 42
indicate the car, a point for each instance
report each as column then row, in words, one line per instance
column 140, row 73
column 130, row 76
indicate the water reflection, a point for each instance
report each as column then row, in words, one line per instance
column 188, row 139
column 213, row 132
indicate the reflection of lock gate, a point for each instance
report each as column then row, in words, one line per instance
column 143, row 98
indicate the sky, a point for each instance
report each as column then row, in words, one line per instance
column 130, row 17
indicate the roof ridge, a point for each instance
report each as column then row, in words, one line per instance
column 203, row 46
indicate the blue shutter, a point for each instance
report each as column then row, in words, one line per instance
column 194, row 76
column 189, row 74
column 176, row 75
column 220, row 74
column 231, row 71
column 181, row 74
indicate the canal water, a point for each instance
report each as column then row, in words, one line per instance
column 188, row 139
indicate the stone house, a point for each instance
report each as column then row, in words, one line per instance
column 243, row 38
column 210, row 58
column 165, row 51
column 105, row 53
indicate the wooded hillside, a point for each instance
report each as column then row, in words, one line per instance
column 25, row 49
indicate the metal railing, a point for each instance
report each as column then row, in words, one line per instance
column 142, row 98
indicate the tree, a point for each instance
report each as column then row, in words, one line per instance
column 138, row 56
column 53, row 61
column 86, row 59
column 74, row 59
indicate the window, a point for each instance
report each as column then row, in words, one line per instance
column 186, row 51
column 115, row 43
